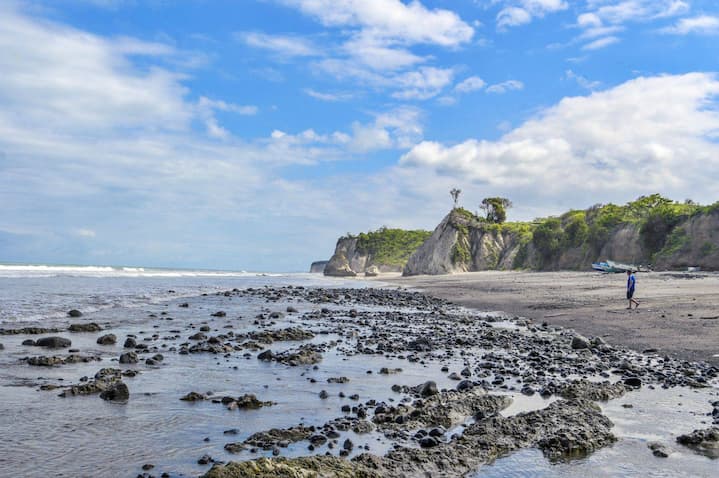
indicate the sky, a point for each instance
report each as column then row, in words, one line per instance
column 251, row 134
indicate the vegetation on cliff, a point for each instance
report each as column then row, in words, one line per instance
column 657, row 219
column 390, row 246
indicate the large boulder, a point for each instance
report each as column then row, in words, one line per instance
column 54, row 342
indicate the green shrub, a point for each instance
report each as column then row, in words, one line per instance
column 391, row 246
column 576, row 229
column 548, row 237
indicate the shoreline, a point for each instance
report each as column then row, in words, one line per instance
column 678, row 315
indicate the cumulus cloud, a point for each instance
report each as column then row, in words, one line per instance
column 391, row 20
column 473, row 83
column 702, row 24
column 646, row 135
column 378, row 39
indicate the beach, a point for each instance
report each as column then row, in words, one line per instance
column 678, row 315
column 180, row 374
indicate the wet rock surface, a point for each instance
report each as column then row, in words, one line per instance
column 705, row 441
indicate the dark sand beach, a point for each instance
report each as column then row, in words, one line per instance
column 678, row 315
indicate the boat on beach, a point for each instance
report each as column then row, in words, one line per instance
column 613, row 267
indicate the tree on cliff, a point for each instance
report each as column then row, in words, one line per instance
column 455, row 195
column 496, row 209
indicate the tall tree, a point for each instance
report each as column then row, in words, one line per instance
column 455, row 195
column 496, row 209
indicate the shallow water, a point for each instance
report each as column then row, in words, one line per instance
column 45, row 435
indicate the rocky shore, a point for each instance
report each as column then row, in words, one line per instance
column 444, row 430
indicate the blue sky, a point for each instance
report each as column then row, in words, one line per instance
column 251, row 134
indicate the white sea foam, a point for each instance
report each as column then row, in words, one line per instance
column 42, row 270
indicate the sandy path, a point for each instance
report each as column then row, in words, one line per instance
column 679, row 313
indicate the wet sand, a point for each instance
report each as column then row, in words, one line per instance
column 678, row 315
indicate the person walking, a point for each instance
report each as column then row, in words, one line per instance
column 631, row 285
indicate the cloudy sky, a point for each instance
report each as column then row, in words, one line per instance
column 251, row 134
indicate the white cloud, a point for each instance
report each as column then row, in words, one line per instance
column 473, row 83
column 618, row 12
column 206, row 111
column 398, row 128
column 84, row 232
column 521, row 12
column 703, row 24
column 424, row 83
column 646, row 135
column 80, row 81
column 581, row 80
column 601, row 43
column 606, row 18
column 505, row 86
column 378, row 54
column 512, row 17
column 282, row 45
column 391, row 19
column 331, row 97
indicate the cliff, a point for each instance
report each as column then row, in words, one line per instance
column 650, row 230
column 384, row 250
column 318, row 267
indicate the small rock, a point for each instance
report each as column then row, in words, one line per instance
column 428, row 389
column 128, row 358
column 108, row 339
column 580, row 342
column 193, row 397
column 74, row 313
column 53, row 342
column 428, row 442
column 118, row 391
column 659, row 450
column 130, row 343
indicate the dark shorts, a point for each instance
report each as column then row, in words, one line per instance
column 630, row 293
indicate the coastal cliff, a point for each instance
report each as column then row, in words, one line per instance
column 384, row 250
column 651, row 230
column 318, row 267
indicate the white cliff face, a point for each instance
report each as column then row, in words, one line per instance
column 434, row 257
